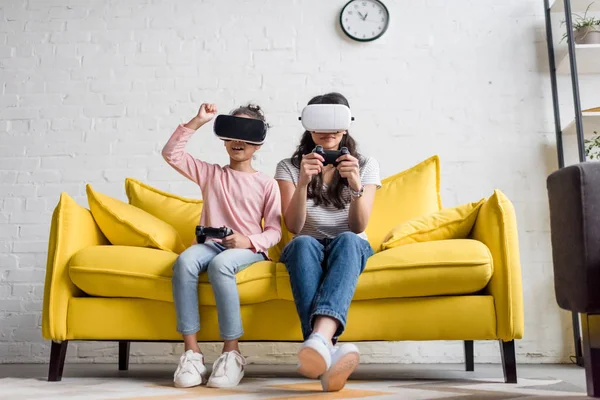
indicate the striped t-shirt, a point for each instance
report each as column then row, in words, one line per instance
column 328, row 221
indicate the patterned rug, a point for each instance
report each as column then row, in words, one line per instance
column 127, row 388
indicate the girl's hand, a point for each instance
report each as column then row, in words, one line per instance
column 206, row 113
column 349, row 168
column 311, row 165
column 236, row 241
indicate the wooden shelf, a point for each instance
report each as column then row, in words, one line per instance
column 591, row 123
column 588, row 59
column 577, row 6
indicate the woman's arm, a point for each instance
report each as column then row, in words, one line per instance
column 293, row 197
column 174, row 151
column 293, row 205
column 360, row 210
column 360, row 207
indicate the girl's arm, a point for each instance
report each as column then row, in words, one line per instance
column 174, row 151
column 272, row 218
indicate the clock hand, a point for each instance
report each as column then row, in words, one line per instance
column 361, row 15
column 365, row 17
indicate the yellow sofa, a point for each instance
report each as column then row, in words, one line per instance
column 458, row 289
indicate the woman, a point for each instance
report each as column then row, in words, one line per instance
column 328, row 208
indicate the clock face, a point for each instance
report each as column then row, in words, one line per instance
column 364, row 20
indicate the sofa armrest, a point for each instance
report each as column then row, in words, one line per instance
column 496, row 227
column 72, row 229
column 574, row 197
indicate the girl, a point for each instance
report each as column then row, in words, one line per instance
column 328, row 208
column 238, row 197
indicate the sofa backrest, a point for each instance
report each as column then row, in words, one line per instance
column 404, row 196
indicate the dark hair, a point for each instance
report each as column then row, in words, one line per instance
column 333, row 195
column 251, row 110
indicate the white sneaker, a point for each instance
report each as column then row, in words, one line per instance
column 228, row 370
column 191, row 370
column 314, row 358
column 344, row 361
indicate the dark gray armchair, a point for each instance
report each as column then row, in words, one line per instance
column 574, row 194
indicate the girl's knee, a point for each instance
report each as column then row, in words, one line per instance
column 220, row 267
column 185, row 264
column 192, row 261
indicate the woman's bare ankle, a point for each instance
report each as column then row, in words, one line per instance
column 326, row 327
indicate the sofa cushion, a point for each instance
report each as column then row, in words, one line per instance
column 137, row 272
column 404, row 196
column 449, row 223
column 181, row 213
column 444, row 267
column 124, row 224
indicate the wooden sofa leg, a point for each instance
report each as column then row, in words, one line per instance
column 590, row 324
column 469, row 356
column 123, row 356
column 58, row 351
column 509, row 361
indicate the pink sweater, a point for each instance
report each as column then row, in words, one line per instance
column 238, row 200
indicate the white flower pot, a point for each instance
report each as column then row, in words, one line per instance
column 588, row 35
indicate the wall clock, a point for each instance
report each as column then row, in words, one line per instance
column 364, row 20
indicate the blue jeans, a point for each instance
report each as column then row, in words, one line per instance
column 222, row 265
column 323, row 274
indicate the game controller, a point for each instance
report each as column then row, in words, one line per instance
column 203, row 232
column 326, row 118
column 249, row 130
column 330, row 156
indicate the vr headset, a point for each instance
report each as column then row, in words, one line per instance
column 326, row 118
column 229, row 127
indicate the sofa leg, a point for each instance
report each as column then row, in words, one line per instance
column 123, row 356
column 509, row 361
column 58, row 351
column 469, row 356
column 590, row 326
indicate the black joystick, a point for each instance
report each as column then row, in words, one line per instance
column 203, row 232
column 330, row 156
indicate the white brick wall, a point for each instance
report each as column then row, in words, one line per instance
column 90, row 91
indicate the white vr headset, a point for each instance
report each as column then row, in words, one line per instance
column 326, row 118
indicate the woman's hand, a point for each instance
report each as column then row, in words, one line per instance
column 349, row 168
column 236, row 241
column 311, row 165
column 205, row 114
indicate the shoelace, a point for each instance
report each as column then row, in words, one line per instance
column 222, row 362
column 187, row 364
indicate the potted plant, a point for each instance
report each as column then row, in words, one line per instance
column 586, row 29
column 592, row 147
